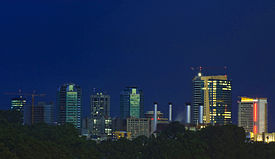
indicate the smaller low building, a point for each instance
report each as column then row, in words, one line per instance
column 263, row 137
column 119, row 124
column 86, row 127
column 121, row 134
column 138, row 127
column 194, row 127
column 160, row 119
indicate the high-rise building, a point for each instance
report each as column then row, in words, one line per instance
column 212, row 97
column 131, row 103
column 252, row 114
column 18, row 103
column 100, row 116
column 69, row 104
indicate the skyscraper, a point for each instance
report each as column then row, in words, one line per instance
column 131, row 103
column 213, row 93
column 18, row 103
column 69, row 104
column 252, row 114
column 100, row 116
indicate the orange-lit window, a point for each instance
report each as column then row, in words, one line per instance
column 255, row 112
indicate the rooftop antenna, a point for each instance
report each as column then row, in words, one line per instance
column 200, row 68
column 225, row 70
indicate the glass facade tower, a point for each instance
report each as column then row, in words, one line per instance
column 69, row 104
column 214, row 94
column 131, row 103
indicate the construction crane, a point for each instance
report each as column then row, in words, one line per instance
column 32, row 95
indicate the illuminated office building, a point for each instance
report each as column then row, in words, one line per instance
column 138, row 127
column 18, row 103
column 213, row 93
column 252, row 114
column 131, row 103
column 121, row 134
column 100, row 116
column 69, row 104
column 263, row 137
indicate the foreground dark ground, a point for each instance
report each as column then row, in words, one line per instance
column 62, row 142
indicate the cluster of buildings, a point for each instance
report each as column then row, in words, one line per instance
column 99, row 125
column 211, row 105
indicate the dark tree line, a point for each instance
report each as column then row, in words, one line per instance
column 42, row 141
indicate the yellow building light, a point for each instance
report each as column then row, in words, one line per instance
column 245, row 99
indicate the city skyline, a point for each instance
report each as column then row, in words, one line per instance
column 150, row 44
column 96, row 93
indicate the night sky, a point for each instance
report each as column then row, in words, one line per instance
column 110, row 44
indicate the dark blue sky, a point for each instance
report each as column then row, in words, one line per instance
column 110, row 44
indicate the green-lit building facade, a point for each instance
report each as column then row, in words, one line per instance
column 69, row 104
column 131, row 103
